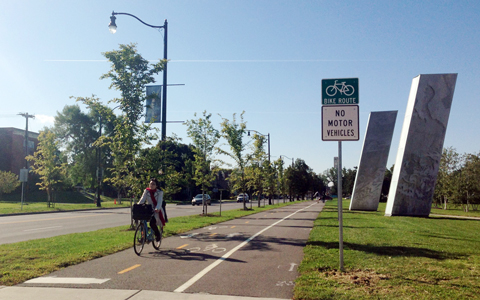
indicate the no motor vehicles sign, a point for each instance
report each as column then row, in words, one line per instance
column 340, row 123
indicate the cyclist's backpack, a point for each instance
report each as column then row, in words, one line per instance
column 142, row 212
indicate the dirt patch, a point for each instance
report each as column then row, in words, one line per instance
column 356, row 277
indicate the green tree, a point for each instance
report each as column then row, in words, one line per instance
column 282, row 180
column 300, row 178
column 8, row 182
column 448, row 177
column 255, row 174
column 47, row 163
column 205, row 138
column 233, row 132
column 129, row 74
column 348, row 180
column 471, row 175
column 75, row 132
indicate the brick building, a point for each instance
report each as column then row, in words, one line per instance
column 12, row 148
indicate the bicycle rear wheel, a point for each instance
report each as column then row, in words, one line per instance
column 156, row 244
column 139, row 238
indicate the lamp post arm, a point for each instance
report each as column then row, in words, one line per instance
column 127, row 14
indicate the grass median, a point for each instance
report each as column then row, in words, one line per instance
column 390, row 257
column 25, row 260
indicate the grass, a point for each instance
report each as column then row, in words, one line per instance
column 10, row 204
column 390, row 257
column 25, row 260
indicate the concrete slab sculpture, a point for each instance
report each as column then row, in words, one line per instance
column 421, row 145
column 373, row 162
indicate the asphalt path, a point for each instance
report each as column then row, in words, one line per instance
column 18, row 228
column 254, row 256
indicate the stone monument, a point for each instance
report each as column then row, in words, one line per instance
column 421, row 145
column 373, row 162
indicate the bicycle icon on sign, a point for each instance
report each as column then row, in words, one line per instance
column 341, row 87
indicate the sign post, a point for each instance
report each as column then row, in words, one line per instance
column 340, row 122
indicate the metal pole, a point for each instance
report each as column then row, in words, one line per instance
column 340, row 212
column 164, row 102
column 269, row 147
column 99, row 168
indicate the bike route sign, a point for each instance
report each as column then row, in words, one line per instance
column 341, row 91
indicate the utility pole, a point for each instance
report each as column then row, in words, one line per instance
column 24, row 185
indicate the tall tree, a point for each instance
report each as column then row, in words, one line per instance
column 129, row 74
column 282, row 181
column 75, row 132
column 233, row 132
column 205, row 138
column 255, row 170
column 448, row 177
column 47, row 163
column 471, row 175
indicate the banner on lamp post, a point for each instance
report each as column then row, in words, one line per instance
column 153, row 104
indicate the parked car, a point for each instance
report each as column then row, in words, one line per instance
column 240, row 197
column 198, row 199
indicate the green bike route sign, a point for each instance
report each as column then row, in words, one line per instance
column 340, row 91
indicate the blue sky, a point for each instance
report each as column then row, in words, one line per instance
column 264, row 57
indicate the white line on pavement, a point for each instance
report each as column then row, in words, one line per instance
column 202, row 273
column 43, row 228
column 69, row 280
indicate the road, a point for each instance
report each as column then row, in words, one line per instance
column 20, row 228
column 254, row 256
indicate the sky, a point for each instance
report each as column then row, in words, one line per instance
column 264, row 57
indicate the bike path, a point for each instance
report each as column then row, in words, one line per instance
column 254, row 256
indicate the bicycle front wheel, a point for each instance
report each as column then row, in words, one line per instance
column 156, row 244
column 348, row 90
column 139, row 238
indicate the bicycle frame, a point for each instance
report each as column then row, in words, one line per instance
column 145, row 234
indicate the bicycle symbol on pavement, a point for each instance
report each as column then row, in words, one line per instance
column 341, row 87
column 213, row 247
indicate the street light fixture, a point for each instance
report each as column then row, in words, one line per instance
column 267, row 135
column 113, row 28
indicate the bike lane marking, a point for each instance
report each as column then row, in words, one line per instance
column 129, row 269
column 202, row 273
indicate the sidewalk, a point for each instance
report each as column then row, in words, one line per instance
column 40, row 293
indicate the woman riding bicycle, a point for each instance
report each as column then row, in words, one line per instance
column 154, row 196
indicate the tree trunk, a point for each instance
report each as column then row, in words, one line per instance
column 48, row 197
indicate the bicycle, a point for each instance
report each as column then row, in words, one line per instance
column 332, row 90
column 144, row 234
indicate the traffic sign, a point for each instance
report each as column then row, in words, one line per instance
column 342, row 91
column 340, row 123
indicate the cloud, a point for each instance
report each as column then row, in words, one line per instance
column 45, row 119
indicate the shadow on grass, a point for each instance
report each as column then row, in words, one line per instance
column 391, row 250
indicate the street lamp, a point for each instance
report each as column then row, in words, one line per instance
column 267, row 135
column 113, row 28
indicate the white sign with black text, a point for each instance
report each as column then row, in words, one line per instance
column 340, row 123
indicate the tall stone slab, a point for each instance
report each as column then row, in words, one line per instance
column 421, row 145
column 373, row 161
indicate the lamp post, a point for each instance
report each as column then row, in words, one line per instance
column 113, row 28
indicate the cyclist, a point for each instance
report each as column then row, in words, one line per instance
column 154, row 196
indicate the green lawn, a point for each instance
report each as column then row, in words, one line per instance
column 390, row 257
